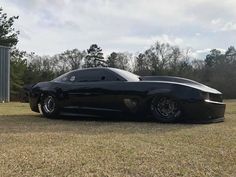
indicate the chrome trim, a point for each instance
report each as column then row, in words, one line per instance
column 214, row 102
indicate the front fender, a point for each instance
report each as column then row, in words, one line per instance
column 162, row 91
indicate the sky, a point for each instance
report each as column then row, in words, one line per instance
column 48, row 27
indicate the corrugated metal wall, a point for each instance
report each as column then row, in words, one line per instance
column 4, row 74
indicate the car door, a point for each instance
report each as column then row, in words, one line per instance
column 95, row 89
column 71, row 90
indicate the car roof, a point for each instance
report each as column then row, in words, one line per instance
column 96, row 68
column 122, row 73
column 99, row 68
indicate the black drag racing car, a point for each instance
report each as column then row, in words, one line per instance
column 101, row 91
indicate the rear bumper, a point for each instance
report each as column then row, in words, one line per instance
column 34, row 104
column 204, row 111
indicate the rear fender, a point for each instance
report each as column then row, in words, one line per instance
column 45, row 93
column 59, row 98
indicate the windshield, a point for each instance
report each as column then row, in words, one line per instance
column 127, row 75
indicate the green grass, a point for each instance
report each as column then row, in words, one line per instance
column 33, row 146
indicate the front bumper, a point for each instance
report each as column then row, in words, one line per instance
column 204, row 111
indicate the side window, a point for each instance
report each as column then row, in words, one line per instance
column 86, row 76
column 95, row 76
column 109, row 76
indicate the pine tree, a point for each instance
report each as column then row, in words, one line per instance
column 8, row 34
column 18, row 68
column 94, row 57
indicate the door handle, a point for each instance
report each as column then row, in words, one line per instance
column 87, row 94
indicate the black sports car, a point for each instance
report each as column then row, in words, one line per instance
column 100, row 91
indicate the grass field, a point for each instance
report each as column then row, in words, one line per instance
column 33, row 146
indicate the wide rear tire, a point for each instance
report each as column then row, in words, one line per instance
column 49, row 106
column 165, row 109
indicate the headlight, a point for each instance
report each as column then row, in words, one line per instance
column 205, row 96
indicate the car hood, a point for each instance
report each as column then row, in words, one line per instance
column 180, row 81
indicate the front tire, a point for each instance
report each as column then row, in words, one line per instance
column 165, row 109
column 49, row 106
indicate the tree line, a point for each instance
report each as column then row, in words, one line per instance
column 217, row 70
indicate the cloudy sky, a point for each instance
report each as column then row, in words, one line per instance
column 52, row 26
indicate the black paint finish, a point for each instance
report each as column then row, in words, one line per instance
column 101, row 91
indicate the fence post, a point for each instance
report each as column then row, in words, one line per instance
column 4, row 74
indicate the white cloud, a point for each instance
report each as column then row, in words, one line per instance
column 223, row 25
column 201, row 53
column 147, row 41
column 216, row 21
column 51, row 26
column 229, row 26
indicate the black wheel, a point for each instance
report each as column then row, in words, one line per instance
column 165, row 109
column 49, row 106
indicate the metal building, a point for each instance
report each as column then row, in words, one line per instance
column 4, row 74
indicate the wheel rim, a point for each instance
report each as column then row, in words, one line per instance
column 49, row 104
column 166, row 107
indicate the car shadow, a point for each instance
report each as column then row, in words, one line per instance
column 36, row 123
column 111, row 118
column 129, row 118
